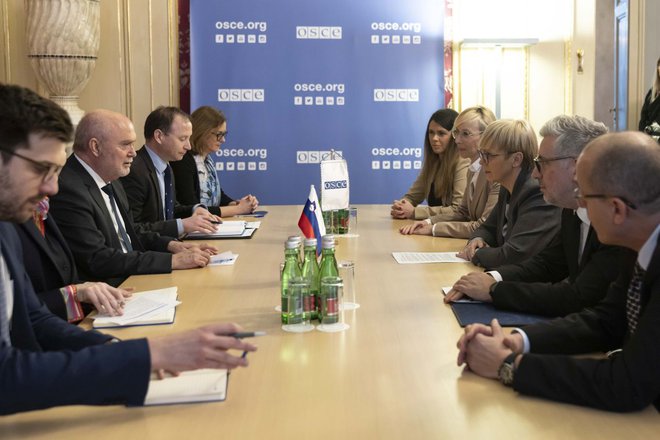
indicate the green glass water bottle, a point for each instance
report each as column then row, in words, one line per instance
column 310, row 272
column 328, row 267
column 290, row 271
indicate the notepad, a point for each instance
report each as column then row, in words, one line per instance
column 484, row 313
column 228, row 229
column 143, row 308
column 204, row 385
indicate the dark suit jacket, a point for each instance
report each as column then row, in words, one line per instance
column 627, row 382
column 554, row 282
column 48, row 272
column 532, row 224
column 86, row 224
column 186, row 180
column 144, row 197
column 51, row 362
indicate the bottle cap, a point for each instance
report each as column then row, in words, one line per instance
column 328, row 242
column 295, row 238
column 310, row 242
column 291, row 244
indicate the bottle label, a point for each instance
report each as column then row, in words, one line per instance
column 308, row 303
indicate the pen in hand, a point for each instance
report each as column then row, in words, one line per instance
column 241, row 335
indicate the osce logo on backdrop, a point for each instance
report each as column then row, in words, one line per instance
column 396, row 95
column 318, row 32
column 241, row 95
column 314, row 157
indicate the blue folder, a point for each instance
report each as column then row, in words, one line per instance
column 483, row 313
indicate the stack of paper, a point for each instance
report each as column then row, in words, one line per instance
column 143, row 308
column 228, row 229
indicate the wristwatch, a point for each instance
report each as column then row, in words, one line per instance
column 508, row 367
column 491, row 289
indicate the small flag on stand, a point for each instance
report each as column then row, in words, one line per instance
column 311, row 220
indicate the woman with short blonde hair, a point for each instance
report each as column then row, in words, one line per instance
column 522, row 223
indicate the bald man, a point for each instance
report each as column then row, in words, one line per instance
column 92, row 211
column 618, row 184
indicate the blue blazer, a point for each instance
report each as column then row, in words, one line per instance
column 53, row 363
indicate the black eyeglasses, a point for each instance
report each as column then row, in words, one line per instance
column 47, row 170
column 582, row 197
column 539, row 161
column 486, row 156
column 219, row 134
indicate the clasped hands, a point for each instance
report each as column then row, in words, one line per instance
column 189, row 255
column 402, row 209
column 483, row 348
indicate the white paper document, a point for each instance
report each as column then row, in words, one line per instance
column 191, row 386
column 426, row 257
column 253, row 225
column 150, row 307
column 224, row 259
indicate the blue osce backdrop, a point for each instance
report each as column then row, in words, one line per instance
column 298, row 78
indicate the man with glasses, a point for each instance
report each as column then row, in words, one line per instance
column 44, row 361
column 617, row 176
column 91, row 208
column 573, row 272
column 150, row 184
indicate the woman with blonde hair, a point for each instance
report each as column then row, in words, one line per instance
column 480, row 195
column 196, row 179
column 522, row 223
column 651, row 107
column 442, row 178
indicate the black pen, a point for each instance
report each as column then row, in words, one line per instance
column 241, row 335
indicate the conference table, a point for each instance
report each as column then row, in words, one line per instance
column 392, row 374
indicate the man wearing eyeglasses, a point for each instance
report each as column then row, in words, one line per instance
column 573, row 272
column 617, row 176
column 91, row 208
column 150, row 187
column 45, row 361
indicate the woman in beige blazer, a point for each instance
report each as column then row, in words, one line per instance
column 480, row 196
column 442, row 178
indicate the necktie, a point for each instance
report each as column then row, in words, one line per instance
column 41, row 214
column 4, row 282
column 121, row 232
column 169, row 194
column 633, row 301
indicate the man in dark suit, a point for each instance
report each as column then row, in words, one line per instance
column 617, row 177
column 150, row 187
column 45, row 361
column 573, row 272
column 91, row 208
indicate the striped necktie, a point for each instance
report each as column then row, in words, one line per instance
column 121, row 232
column 633, row 300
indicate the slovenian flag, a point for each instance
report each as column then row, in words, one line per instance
column 311, row 220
